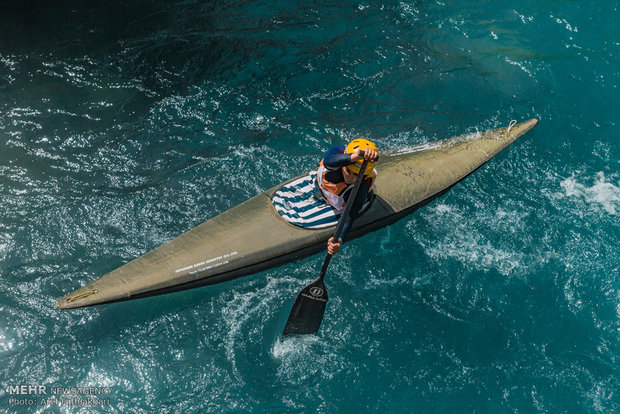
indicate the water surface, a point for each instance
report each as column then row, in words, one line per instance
column 125, row 124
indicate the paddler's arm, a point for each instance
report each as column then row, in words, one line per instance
column 335, row 158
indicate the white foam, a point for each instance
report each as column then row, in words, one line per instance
column 301, row 357
column 602, row 194
column 443, row 208
column 6, row 344
column 294, row 347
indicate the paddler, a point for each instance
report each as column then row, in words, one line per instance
column 337, row 174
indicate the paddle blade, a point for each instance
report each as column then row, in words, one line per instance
column 308, row 310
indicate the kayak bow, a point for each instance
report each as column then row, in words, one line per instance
column 252, row 236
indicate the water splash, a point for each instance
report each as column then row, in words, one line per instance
column 602, row 194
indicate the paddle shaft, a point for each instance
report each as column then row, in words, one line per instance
column 345, row 213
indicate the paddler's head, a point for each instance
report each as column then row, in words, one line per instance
column 352, row 170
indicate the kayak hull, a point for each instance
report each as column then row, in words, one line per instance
column 252, row 236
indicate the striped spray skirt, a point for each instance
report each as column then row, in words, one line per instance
column 300, row 203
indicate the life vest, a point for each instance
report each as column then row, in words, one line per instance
column 334, row 193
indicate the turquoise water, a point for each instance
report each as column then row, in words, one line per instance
column 124, row 125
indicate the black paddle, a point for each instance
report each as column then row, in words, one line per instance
column 309, row 307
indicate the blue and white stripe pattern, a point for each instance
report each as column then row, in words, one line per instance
column 299, row 202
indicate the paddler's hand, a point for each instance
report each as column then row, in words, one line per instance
column 332, row 247
column 370, row 154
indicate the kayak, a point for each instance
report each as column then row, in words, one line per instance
column 253, row 237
